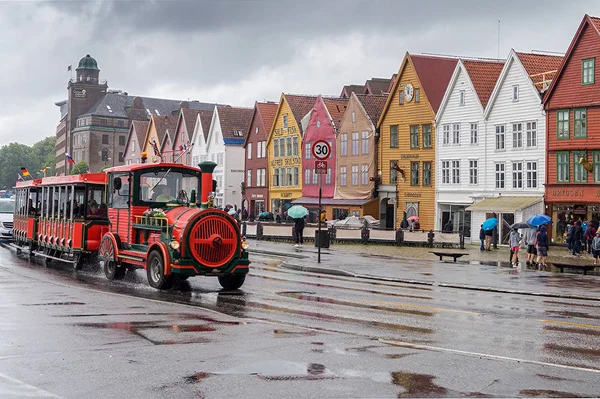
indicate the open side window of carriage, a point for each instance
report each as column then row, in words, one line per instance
column 118, row 195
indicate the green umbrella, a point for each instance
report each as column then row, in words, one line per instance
column 297, row 211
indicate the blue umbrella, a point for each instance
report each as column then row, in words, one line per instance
column 297, row 211
column 490, row 223
column 538, row 220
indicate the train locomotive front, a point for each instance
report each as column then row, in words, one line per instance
column 173, row 238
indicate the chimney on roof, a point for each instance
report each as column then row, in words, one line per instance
column 184, row 104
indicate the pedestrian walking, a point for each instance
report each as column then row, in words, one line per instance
column 590, row 234
column 488, row 239
column 570, row 236
column 299, row 232
column 482, row 238
column 542, row 247
column 530, row 236
column 577, row 237
column 514, row 241
column 596, row 247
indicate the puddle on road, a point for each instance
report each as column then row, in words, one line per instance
column 280, row 333
column 332, row 301
column 570, row 351
column 553, row 378
column 422, row 386
column 171, row 316
column 274, row 370
column 397, row 355
column 545, row 393
column 578, row 315
column 571, row 330
column 54, row 304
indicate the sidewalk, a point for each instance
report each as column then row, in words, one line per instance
column 489, row 271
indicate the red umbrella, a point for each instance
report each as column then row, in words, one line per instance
column 413, row 218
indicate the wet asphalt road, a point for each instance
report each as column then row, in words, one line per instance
column 285, row 334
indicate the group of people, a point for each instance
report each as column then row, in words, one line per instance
column 536, row 245
column 581, row 237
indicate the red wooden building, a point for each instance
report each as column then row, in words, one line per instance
column 572, row 105
column 255, row 197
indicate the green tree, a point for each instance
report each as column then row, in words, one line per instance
column 80, row 167
column 13, row 157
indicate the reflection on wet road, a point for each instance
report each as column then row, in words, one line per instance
column 553, row 332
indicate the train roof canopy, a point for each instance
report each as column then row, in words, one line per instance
column 149, row 166
column 28, row 183
column 86, row 178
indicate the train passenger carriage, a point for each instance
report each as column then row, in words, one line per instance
column 66, row 216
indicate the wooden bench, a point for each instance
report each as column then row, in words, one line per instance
column 563, row 266
column 454, row 255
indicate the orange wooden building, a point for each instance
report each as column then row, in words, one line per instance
column 572, row 105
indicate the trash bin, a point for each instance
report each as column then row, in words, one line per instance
column 323, row 239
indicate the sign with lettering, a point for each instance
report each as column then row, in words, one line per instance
column 409, row 156
column 79, row 93
column 413, row 195
column 321, row 167
column 286, row 161
column 286, row 195
column 237, row 170
column 281, row 131
column 258, row 196
column 573, row 194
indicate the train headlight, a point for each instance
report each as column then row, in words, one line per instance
column 245, row 244
column 174, row 244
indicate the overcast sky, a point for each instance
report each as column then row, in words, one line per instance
column 236, row 52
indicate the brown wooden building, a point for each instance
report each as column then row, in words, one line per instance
column 255, row 196
column 572, row 105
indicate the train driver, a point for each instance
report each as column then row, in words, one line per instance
column 165, row 195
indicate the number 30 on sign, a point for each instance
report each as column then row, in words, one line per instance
column 321, row 150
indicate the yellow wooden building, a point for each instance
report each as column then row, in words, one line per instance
column 406, row 156
column 284, row 149
column 157, row 129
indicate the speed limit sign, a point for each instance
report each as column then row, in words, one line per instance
column 321, row 149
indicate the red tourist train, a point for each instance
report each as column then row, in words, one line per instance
column 133, row 216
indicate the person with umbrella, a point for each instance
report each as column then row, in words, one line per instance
column 542, row 247
column 530, row 236
column 488, row 227
column 514, row 241
column 298, row 213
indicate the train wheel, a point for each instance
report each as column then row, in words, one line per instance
column 232, row 281
column 107, row 255
column 156, row 272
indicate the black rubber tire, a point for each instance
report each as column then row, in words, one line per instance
column 112, row 270
column 232, row 281
column 155, row 270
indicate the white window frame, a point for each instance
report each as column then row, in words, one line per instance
column 315, row 177
column 473, row 171
column 354, row 175
column 500, row 143
column 249, row 150
column 344, row 145
column 456, row 134
column 456, row 171
column 515, row 93
column 461, row 98
column 500, row 175
column 353, row 117
column 284, row 121
column 364, row 175
column 249, row 178
column 343, row 176
column 531, row 174
column 307, row 180
column 328, row 176
column 531, row 133
column 517, row 134
column 517, row 175
column 445, row 172
column 355, row 144
column 446, row 134
column 365, row 143
column 475, row 133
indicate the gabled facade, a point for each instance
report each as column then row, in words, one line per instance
column 572, row 106
column 406, row 148
column 183, row 133
column 167, row 147
column 135, row 142
column 157, row 129
column 283, row 142
column 225, row 146
column 356, row 157
column 515, row 143
column 198, row 141
column 256, row 179
column 460, row 142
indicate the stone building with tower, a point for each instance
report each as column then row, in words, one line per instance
column 95, row 121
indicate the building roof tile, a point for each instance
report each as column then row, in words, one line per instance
column 540, row 67
column 300, row 106
column 268, row 112
column 163, row 123
column 373, row 105
column 483, row 75
column 434, row 74
column 376, row 86
column 205, row 120
column 140, row 128
column 116, row 105
column 349, row 89
column 234, row 121
column 336, row 108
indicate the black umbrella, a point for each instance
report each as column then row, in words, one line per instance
column 520, row 225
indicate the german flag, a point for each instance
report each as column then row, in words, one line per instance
column 25, row 172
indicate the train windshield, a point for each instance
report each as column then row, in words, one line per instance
column 165, row 186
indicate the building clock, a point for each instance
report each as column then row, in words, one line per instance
column 408, row 92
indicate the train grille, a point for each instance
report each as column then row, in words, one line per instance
column 213, row 241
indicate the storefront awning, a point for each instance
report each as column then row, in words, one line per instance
column 331, row 201
column 504, row 204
